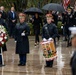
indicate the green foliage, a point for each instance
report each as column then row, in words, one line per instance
column 18, row 4
column 23, row 4
column 31, row 28
column 40, row 3
column 59, row 27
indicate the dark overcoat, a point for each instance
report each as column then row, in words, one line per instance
column 4, row 15
column 36, row 25
column 69, row 23
column 73, row 63
column 22, row 44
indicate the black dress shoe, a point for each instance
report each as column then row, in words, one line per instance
column 35, row 44
column 23, row 65
column 19, row 64
column 48, row 66
column 1, row 65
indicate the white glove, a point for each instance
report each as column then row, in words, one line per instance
column 23, row 34
column 15, row 41
column 50, row 39
column 44, row 39
column 61, row 27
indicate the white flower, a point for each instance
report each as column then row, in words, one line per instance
column 0, row 31
column 5, row 37
column 1, row 34
column 1, row 38
column 0, row 26
column 4, row 32
column 2, row 42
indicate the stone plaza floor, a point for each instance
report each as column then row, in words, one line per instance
column 35, row 60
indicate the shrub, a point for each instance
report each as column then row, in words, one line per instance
column 59, row 27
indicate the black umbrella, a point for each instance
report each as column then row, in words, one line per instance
column 33, row 10
column 53, row 7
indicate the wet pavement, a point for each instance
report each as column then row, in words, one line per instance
column 36, row 62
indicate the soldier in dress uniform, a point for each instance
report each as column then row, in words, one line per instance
column 49, row 30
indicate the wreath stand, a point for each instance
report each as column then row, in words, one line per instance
column 2, row 58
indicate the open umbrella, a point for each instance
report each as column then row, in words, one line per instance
column 53, row 7
column 33, row 10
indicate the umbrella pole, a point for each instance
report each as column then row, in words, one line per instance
column 2, row 58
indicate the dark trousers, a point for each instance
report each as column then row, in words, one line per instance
column 36, row 38
column 4, row 48
column 22, row 58
column 11, row 30
column 49, row 63
column 68, row 41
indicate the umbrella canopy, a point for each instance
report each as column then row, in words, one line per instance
column 33, row 10
column 53, row 7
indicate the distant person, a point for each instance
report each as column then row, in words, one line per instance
column 4, row 15
column 12, row 20
column 69, row 23
column 37, row 23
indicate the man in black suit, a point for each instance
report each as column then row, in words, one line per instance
column 4, row 15
column 12, row 20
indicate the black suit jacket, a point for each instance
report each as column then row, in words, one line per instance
column 4, row 15
column 10, row 17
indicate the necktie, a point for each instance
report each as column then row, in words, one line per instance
column 13, row 15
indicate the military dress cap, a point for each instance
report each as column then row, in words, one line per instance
column 49, row 15
column 73, row 31
column 21, row 15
